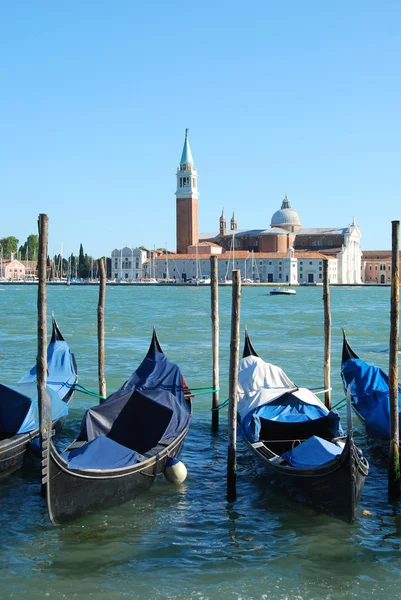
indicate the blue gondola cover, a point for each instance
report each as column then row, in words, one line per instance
column 312, row 453
column 100, row 453
column 369, row 386
column 19, row 402
column 19, row 407
column 148, row 409
column 60, row 368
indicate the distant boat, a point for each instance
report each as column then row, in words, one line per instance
column 280, row 291
column 298, row 441
column 19, row 416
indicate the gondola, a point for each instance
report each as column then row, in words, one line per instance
column 299, row 442
column 19, row 417
column 370, row 395
column 124, row 442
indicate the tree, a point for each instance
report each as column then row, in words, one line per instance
column 29, row 251
column 8, row 245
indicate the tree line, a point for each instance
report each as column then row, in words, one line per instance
column 81, row 266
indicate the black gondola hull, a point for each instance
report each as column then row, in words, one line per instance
column 13, row 451
column 74, row 493
column 333, row 489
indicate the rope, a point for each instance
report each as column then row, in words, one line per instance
column 340, row 403
column 221, row 405
column 202, row 393
column 80, row 388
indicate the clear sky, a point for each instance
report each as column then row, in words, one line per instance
column 295, row 97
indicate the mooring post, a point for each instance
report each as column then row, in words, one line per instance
column 45, row 417
column 327, row 334
column 233, row 387
column 394, row 450
column 100, row 327
column 214, row 289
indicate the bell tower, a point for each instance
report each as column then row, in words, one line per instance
column 187, row 200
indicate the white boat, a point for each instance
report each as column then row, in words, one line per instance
column 280, row 291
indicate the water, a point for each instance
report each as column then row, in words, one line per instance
column 184, row 542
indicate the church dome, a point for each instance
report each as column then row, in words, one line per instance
column 286, row 217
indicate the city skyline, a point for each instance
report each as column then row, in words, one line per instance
column 302, row 100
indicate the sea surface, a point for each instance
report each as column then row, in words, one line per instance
column 187, row 541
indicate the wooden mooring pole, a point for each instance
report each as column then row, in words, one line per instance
column 45, row 417
column 233, row 387
column 214, row 289
column 327, row 334
column 394, row 449
column 100, row 327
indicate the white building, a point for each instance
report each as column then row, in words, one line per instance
column 127, row 264
column 291, row 267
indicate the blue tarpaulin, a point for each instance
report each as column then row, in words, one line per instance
column 287, row 409
column 19, row 407
column 312, row 453
column 60, row 368
column 19, row 402
column 100, row 453
column 369, row 389
column 148, row 409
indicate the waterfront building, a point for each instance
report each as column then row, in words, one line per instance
column 286, row 231
column 291, row 267
column 14, row 270
column 127, row 264
column 376, row 267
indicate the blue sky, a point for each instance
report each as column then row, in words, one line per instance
column 302, row 98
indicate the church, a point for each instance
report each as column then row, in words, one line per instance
column 284, row 237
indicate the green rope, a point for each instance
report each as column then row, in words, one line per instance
column 340, row 403
column 80, row 388
column 221, row 405
column 202, row 393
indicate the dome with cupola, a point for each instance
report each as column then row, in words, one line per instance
column 286, row 218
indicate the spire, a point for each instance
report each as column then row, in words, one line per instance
column 186, row 157
column 233, row 224
column 222, row 223
column 286, row 202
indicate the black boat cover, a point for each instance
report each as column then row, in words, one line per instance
column 148, row 409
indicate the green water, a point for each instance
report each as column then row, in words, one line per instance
column 184, row 542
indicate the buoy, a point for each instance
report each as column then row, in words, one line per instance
column 175, row 471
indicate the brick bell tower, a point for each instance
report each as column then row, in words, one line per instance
column 187, row 200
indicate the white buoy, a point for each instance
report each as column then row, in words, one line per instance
column 175, row 471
